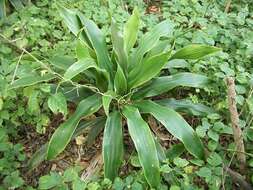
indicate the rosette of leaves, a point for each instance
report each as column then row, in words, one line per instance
column 121, row 80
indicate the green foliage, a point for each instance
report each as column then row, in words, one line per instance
column 117, row 75
column 17, row 4
column 38, row 28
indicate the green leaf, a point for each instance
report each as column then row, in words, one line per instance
column 50, row 181
column 144, row 144
column 175, row 151
column 204, row 172
column 106, row 100
column 64, row 132
column 31, row 80
column 2, row 9
column 214, row 159
column 161, row 47
column 78, row 184
column 13, row 180
column 33, row 103
column 71, row 93
column 71, row 174
column 160, row 150
column 62, row 62
column 179, row 162
column 118, row 46
column 82, row 51
column 186, row 106
column 40, row 155
column 195, row 51
column 147, row 70
column 120, row 82
column 150, row 40
column 79, row 67
column 58, row 104
column 177, row 63
column 176, row 125
column 17, row 4
column 163, row 84
column 98, row 42
column 71, row 19
column 131, row 30
column 95, row 131
column 112, row 145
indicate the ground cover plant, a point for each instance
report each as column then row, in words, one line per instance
column 48, row 41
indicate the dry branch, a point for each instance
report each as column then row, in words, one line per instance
column 228, row 4
column 237, row 178
column 238, row 138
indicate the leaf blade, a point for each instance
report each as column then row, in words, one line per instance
column 112, row 145
column 71, row 19
column 79, row 67
column 176, row 125
column 194, row 51
column 64, row 132
column 186, row 106
column 147, row 70
column 120, row 82
column 131, row 30
column 163, row 84
column 31, row 80
column 149, row 40
column 144, row 143
column 98, row 42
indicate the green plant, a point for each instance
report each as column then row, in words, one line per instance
column 122, row 79
column 17, row 4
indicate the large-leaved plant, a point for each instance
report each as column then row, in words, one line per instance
column 121, row 80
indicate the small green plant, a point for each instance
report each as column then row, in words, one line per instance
column 121, row 80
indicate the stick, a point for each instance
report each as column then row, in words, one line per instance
column 238, row 138
column 228, row 4
column 237, row 178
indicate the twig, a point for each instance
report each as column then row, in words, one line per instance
column 238, row 178
column 93, row 168
column 16, row 68
column 228, row 4
column 45, row 66
column 238, row 138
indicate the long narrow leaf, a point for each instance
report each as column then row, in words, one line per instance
column 176, row 125
column 163, row 84
column 113, row 145
column 120, row 82
column 79, row 67
column 17, row 4
column 144, row 144
column 150, row 40
column 40, row 155
column 98, row 42
column 71, row 93
column 195, row 51
column 147, row 70
column 106, row 100
column 186, row 106
column 118, row 46
column 62, row 62
column 31, row 80
column 71, row 19
column 82, row 51
column 2, row 9
column 64, row 132
column 131, row 30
